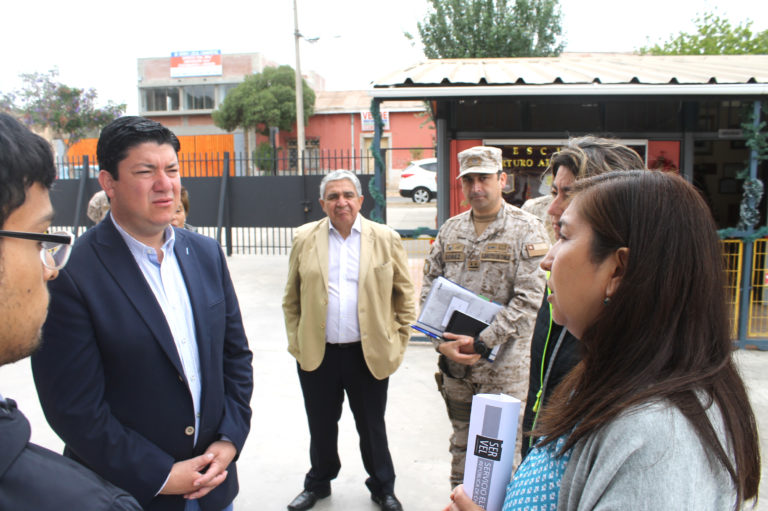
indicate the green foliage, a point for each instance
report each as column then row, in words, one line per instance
column 749, row 214
column 714, row 36
column 263, row 100
column 70, row 112
column 373, row 185
column 756, row 135
column 456, row 29
column 264, row 156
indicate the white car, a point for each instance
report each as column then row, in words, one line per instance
column 419, row 180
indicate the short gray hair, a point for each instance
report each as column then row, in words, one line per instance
column 338, row 175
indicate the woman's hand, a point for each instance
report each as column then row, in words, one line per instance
column 461, row 501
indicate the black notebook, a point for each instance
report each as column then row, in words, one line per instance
column 462, row 324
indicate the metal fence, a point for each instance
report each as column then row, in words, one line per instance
column 756, row 332
column 249, row 207
column 283, row 162
column 255, row 207
column 732, row 258
column 757, row 324
column 253, row 240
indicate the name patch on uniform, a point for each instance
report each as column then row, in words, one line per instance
column 496, row 257
column 454, row 252
column 536, row 249
column 497, row 247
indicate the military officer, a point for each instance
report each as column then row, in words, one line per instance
column 494, row 249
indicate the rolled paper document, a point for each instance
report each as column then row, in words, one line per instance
column 490, row 448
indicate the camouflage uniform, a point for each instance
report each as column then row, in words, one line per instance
column 502, row 264
column 538, row 207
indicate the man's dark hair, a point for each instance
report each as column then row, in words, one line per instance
column 126, row 132
column 25, row 159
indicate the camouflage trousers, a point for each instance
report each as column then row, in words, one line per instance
column 458, row 400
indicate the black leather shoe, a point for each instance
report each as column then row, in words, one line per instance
column 387, row 502
column 307, row 499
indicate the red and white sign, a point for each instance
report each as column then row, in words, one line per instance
column 366, row 120
column 195, row 63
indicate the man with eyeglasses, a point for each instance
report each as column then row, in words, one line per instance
column 32, row 477
column 145, row 370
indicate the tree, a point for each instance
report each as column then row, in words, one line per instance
column 70, row 112
column 491, row 28
column 714, row 36
column 263, row 100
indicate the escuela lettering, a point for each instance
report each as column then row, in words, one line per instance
column 522, row 157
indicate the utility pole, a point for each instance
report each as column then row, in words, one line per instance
column 299, row 96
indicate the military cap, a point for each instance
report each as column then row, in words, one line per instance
column 479, row 160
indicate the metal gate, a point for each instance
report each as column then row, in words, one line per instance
column 246, row 208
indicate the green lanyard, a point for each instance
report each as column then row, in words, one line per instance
column 542, row 377
column 543, row 357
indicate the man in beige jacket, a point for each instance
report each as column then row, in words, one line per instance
column 349, row 303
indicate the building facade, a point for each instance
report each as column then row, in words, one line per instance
column 681, row 113
column 183, row 90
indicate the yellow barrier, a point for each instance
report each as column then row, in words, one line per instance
column 757, row 326
column 732, row 256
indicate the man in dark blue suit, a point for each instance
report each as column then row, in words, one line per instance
column 145, row 371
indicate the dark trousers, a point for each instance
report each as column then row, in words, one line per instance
column 344, row 369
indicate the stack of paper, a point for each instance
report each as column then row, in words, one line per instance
column 444, row 298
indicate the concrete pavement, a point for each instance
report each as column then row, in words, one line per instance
column 275, row 458
column 404, row 214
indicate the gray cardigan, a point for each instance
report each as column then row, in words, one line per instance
column 649, row 458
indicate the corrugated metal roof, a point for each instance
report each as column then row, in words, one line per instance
column 580, row 69
column 356, row 101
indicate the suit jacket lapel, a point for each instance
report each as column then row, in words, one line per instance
column 198, row 298
column 118, row 261
column 366, row 252
column 320, row 247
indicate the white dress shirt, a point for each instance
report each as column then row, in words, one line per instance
column 342, row 325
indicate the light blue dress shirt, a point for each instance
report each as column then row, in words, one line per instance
column 167, row 283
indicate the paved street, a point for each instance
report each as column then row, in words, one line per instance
column 274, row 461
column 403, row 213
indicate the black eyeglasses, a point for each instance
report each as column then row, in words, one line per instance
column 54, row 249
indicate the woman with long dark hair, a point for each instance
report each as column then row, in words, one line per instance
column 655, row 416
column 555, row 350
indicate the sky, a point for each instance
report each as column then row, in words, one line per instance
column 96, row 44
